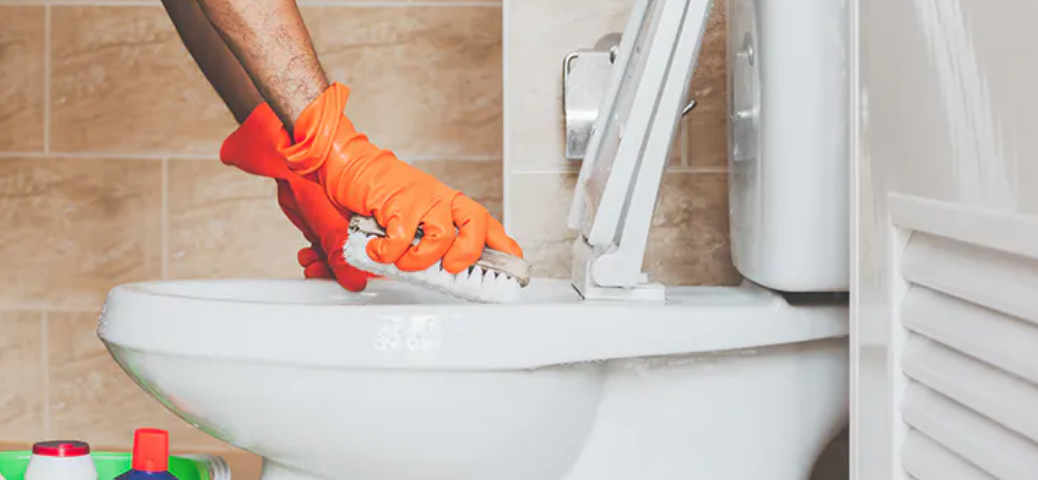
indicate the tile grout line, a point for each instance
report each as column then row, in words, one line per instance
column 45, row 353
column 693, row 169
column 40, row 307
column 164, row 220
column 47, row 29
column 506, row 123
column 459, row 3
column 570, row 170
column 85, row 3
column 460, row 158
column 684, row 142
column 160, row 156
column 304, row 3
column 150, row 156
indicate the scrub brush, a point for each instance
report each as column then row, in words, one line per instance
column 496, row 277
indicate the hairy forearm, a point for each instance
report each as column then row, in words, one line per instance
column 272, row 43
column 216, row 61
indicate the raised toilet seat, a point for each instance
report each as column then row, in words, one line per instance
column 397, row 383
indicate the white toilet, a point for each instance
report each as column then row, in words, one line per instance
column 604, row 377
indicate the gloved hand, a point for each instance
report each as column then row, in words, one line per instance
column 367, row 180
column 253, row 148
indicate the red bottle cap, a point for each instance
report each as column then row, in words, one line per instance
column 150, row 450
column 61, row 448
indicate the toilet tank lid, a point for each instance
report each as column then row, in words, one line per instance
column 394, row 325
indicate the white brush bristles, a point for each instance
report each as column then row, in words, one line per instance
column 474, row 284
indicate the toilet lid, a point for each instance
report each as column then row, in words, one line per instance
column 395, row 325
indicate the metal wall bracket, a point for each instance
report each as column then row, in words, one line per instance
column 585, row 80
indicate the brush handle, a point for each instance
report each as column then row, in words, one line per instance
column 491, row 259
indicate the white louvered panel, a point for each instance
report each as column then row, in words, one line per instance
column 980, row 441
column 986, row 277
column 926, row 459
column 970, row 352
column 1000, row 396
column 1005, row 342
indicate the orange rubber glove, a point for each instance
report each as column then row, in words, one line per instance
column 367, row 180
column 253, row 148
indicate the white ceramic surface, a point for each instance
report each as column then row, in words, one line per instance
column 788, row 147
column 399, row 383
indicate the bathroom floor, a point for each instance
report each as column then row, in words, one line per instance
column 835, row 461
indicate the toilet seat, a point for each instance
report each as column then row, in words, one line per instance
column 397, row 326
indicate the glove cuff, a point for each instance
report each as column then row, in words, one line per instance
column 317, row 129
column 259, row 136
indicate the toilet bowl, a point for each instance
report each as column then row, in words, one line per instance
column 606, row 376
column 397, row 383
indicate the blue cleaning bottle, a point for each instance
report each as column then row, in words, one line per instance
column 150, row 459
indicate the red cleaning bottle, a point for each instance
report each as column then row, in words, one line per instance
column 150, row 459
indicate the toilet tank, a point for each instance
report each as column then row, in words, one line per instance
column 788, row 154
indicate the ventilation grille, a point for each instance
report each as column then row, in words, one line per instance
column 971, row 350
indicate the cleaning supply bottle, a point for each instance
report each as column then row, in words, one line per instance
column 150, row 458
column 61, row 460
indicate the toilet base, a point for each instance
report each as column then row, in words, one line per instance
column 766, row 413
column 717, row 383
column 752, row 414
column 825, row 469
column 276, row 471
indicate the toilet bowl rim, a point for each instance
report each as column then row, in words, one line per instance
column 453, row 336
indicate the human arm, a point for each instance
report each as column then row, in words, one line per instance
column 219, row 65
column 273, row 45
column 253, row 148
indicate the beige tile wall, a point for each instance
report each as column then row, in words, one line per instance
column 689, row 243
column 108, row 174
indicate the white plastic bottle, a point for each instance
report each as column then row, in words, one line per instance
column 61, row 460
